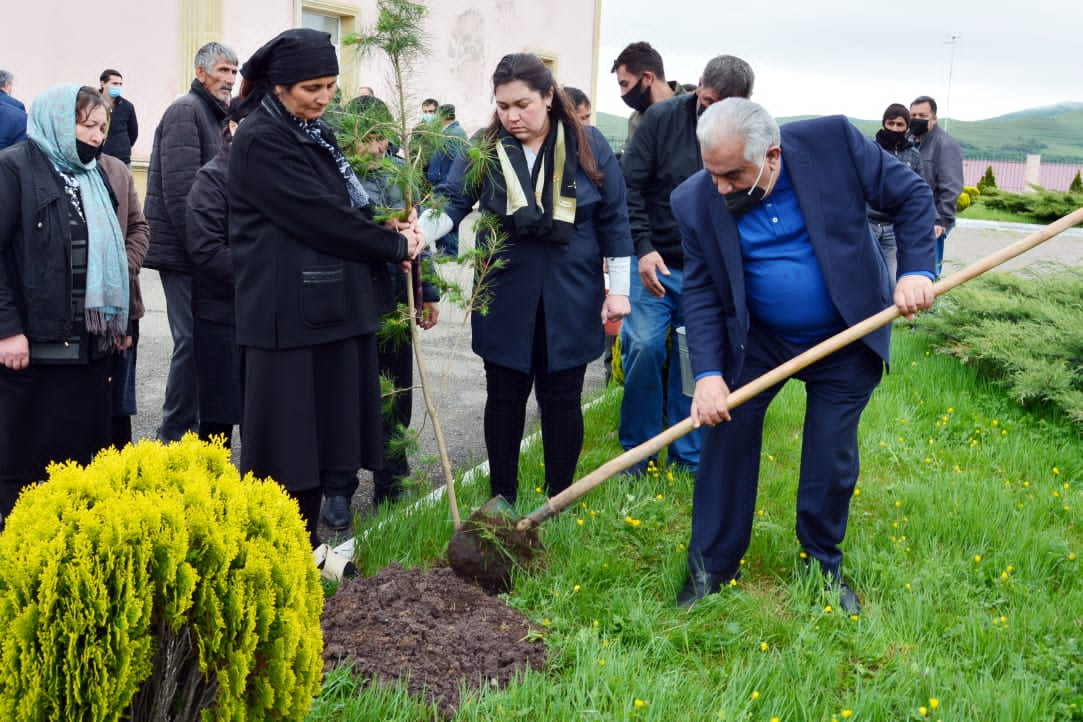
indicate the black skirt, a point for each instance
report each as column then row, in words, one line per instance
column 311, row 410
column 53, row 412
column 218, row 365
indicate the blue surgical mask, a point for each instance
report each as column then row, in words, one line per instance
column 114, row 91
column 427, row 117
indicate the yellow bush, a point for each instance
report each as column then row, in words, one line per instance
column 156, row 583
column 963, row 203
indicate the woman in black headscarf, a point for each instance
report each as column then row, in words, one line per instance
column 311, row 277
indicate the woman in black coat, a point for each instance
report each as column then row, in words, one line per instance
column 64, row 290
column 310, row 276
column 559, row 195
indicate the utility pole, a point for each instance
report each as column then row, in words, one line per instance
column 952, row 40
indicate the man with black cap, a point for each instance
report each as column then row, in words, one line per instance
column 188, row 136
column 310, row 268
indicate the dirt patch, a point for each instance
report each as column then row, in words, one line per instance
column 430, row 628
column 488, row 547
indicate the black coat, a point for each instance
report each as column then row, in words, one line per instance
column 662, row 154
column 123, row 130
column 567, row 278
column 207, row 241
column 35, row 247
column 187, row 137
column 308, row 267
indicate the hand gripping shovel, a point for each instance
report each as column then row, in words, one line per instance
column 495, row 539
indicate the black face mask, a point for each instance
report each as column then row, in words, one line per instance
column 919, row 126
column 891, row 139
column 638, row 98
column 86, row 151
column 740, row 202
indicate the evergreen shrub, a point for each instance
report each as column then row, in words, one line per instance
column 988, row 180
column 155, row 583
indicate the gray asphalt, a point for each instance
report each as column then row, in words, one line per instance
column 457, row 377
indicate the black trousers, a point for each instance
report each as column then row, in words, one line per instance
column 559, row 396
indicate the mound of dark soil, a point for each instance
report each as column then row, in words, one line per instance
column 432, row 629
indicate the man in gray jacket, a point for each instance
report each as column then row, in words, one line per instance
column 188, row 136
column 941, row 167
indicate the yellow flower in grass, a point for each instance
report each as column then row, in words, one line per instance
column 576, row 588
column 660, row 497
column 847, row 713
column 827, row 609
column 1056, row 470
column 933, row 703
column 755, row 694
column 775, row 719
column 639, row 703
column 923, row 711
column 601, row 662
column 763, row 646
column 977, row 558
column 580, row 522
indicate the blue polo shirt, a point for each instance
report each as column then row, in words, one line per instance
column 784, row 285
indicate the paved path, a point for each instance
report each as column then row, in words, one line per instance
column 457, row 374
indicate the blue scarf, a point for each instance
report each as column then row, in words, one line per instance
column 51, row 128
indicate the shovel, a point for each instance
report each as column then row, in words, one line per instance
column 495, row 539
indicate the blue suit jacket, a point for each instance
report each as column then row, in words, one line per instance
column 835, row 171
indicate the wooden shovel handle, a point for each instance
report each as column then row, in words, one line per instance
column 651, row 446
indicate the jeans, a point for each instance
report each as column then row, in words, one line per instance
column 940, row 250
column 651, row 401
column 180, row 408
column 885, row 237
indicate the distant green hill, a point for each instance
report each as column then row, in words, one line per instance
column 1055, row 132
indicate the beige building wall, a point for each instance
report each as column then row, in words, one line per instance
column 153, row 42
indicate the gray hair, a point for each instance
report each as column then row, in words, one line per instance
column 6, row 77
column 739, row 117
column 730, row 76
column 211, row 53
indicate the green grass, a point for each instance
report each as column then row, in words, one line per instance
column 963, row 543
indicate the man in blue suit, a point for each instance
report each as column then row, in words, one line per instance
column 778, row 257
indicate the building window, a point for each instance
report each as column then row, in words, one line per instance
column 327, row 23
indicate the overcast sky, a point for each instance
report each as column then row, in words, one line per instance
column 818, row 57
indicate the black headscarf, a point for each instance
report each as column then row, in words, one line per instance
column 290, row 57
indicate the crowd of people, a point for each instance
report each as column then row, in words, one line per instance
column 283, row 247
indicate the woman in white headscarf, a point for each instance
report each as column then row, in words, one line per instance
column 64, row 290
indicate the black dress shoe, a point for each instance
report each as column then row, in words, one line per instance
column 336, row 512
column 698, row 585
column 848, row 601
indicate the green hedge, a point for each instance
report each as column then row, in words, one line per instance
column 157, row 584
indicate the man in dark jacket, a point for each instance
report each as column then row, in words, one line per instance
column 123, row 126
column 662, row 154
column 7, row 80
column 12, row 114
column 941, row 167
column 187, row 137
column 642, row 80
column 445, row 153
